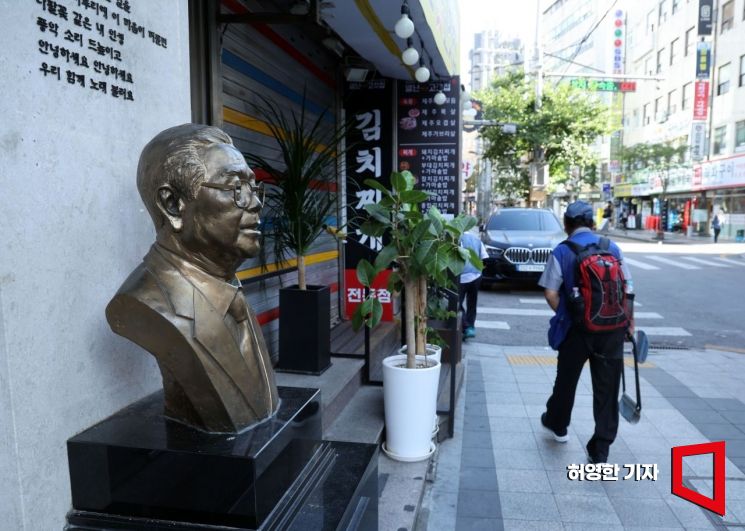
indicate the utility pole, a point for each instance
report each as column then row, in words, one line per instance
column 537, row 172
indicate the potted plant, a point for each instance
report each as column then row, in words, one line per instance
column 422, row 247
column 298, row 205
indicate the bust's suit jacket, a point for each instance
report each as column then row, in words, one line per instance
column 216, row 370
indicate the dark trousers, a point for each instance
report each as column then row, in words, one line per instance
column 470, row 293
column 716, row 234
column 605, row 352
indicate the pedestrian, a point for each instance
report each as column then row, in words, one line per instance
column 607, row 217
column 716, row 225
column 470, row 282
column 576, row 345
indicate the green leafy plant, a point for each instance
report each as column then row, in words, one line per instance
column 423, row 247
column 301, row 199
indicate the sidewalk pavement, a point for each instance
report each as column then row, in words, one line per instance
column 650, row 236
column 502, row 471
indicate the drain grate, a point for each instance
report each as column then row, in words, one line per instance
column 667, row 346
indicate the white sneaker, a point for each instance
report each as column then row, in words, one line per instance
column 558, row 438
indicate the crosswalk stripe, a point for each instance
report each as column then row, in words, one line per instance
column 515, row 311
column 672, row 262
column 640, row 265
column 647, row 315
column 704, row 262
column 730, row 261
column 492, row 325
column 533, row 301
column 664, row 331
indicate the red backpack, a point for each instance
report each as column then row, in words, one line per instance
column 598, row 302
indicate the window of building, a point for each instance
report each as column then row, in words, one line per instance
column 648, row 66
column 742, row 71
column 723, row 79
column 674, row 50
column 675, row 6
column 635, row 118
column 662, row 13
column 650, row 22
column 728, row 15
column 645, row 114
column 660, row 55
column 740, row 136
column 658, row 110
column 685, row 101
column 672, row 102
column 690, row 41
column 720, row 140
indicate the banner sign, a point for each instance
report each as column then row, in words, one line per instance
column 367, row 106
column 705, row 16
column 698, row 141
column 429, row 140
column 701, row 100
column 722, row 173
column 604, row 85
column 703, row 60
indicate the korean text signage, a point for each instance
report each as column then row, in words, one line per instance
column 722, row 173
column 705, row 16
column 368, row 107
column 700, row 100
column 594, row 85
column 428, row 140
column 87, row 45
column 618, row 42
column 703, row 60
column 698, row 140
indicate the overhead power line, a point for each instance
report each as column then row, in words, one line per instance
column 587, row 36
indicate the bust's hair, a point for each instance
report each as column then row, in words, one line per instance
column 174, row 157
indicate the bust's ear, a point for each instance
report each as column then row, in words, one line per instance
column 171, row 205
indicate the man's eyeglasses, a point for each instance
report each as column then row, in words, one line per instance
column 243, row 191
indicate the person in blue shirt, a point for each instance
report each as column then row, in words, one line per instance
column 604, row 350
column 470, row 282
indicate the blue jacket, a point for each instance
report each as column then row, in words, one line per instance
column 469, row 241
column 561, row 322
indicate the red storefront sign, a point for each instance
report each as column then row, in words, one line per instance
column 701, row 100
column 354, row 293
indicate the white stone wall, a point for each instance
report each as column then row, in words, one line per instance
column 73, row 227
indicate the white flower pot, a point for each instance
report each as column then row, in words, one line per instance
column 434, row 352
column 410, row 404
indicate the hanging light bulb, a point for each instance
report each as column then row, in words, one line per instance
column 440, row 98
column 404, row 28
column 410, row 55
column 422, row 74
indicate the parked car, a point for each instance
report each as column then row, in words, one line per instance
column 519, row 242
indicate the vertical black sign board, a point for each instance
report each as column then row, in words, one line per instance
column 705, row 16
column 429, row 140
column 367, row 107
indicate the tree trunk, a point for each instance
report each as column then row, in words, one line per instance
column 421, row 325
column 410, row 296
column 301, row 272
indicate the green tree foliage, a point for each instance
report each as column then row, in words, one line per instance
column 560, row 132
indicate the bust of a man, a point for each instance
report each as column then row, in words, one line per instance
column 179, row 304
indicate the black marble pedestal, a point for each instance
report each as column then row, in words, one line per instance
column 139, row 470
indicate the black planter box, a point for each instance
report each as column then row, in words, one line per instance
column 304, row 329
column 138, row 470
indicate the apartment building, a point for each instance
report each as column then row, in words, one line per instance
column 493, row 55
column 664, row 41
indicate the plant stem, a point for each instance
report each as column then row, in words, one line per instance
column 301, row 271
column 421, row 325
column 410, row 295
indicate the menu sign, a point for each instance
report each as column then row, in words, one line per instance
column 429, row 140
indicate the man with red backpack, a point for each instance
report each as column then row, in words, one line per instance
column 590, row 289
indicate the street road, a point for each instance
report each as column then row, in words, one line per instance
column 687, row 296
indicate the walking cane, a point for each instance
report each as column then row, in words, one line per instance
column 629, row 409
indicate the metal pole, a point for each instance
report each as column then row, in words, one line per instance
column 538, row 59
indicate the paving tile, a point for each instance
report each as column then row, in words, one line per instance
column 568, row 526
column 641, row 512
column 528, row 525
column 477, row 457
column 584, row 509
column 726, row 404
column 559, row 460
column 537, row 506
column 523, row 481
column 479, row 504
column 477, row 478
column 506, row 410
column 504, row 398
column 688, row 514
column 544, row 388
column 476, row 439
column 511, row 424
column 517, row 459
column 534, row 399
column 672, row 391
column 465, row 523
column 513, row 441
column 442, row 510
column 628, row 488
column 685, row 404
column 721, row 431
column 697, row 416
column 735, row 448
column 640, row 446
column 476, row 423
column 735, row 417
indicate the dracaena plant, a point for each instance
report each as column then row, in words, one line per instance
column 302, row 196
column 422, row 247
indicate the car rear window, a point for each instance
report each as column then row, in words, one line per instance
column 533, row 220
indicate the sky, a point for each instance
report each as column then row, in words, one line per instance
column 511, row 17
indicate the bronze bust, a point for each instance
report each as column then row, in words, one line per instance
column 179, row 304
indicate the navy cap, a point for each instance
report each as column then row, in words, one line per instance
column 579, row 209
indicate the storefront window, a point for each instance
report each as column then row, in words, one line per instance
column 720, row 140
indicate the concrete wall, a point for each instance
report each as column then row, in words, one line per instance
column 73, row 227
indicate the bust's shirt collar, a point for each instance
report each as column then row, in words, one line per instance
column 219, row 293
